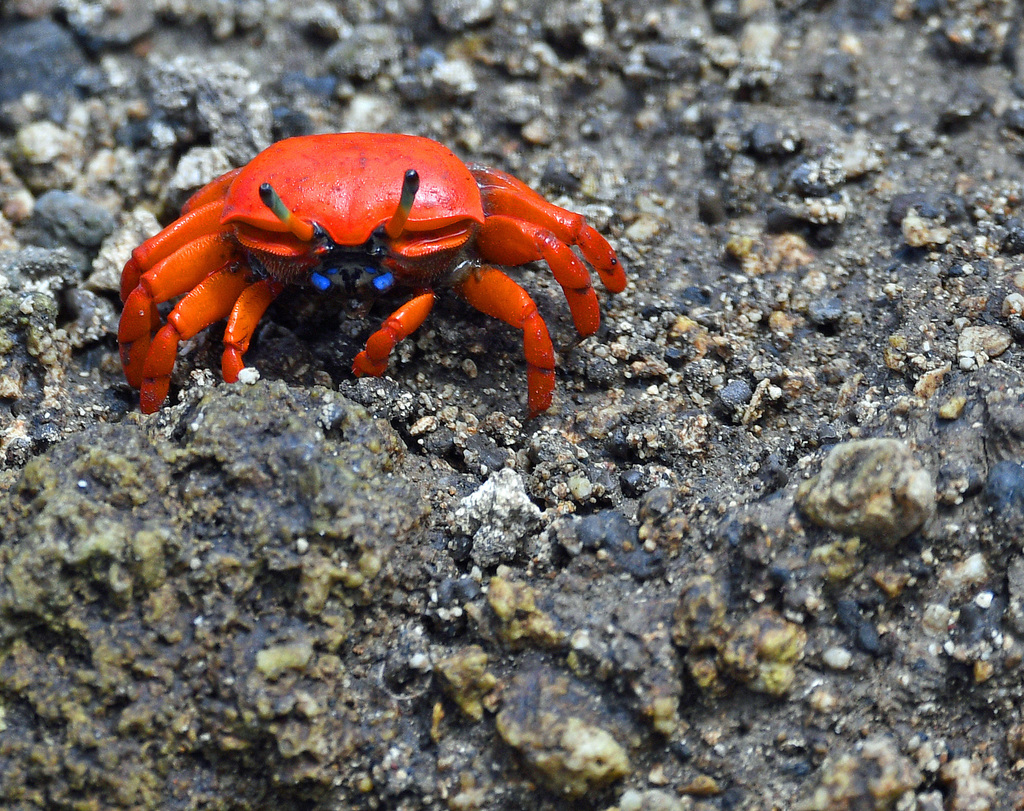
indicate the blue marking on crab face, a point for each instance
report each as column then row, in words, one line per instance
column 383, row 282
column 320, row 282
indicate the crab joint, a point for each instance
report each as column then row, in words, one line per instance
column 272, row 200
column 410, row 185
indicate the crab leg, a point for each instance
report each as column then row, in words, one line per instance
column 508, row 241
column 214, row 191
column 504, row 194
column 172, row 276
column 211, row 300
column 245, row 315
column 495, row 294
column 200, row 222
column 399, row 325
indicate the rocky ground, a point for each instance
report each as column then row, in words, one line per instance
column 763, row 552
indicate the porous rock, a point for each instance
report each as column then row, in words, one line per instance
column 498, row 517
column 177, row 593
column 548, row 718
column 870, row 487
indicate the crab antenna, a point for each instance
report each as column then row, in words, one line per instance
column 410, row 185
column 272, row 200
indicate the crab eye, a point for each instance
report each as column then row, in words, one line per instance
column 319, row 281
column 382, row 282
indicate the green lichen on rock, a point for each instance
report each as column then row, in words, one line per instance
column 761, row 651
column 275, row 660
column 521, row 621
column 174, row 595
column 34, row 353
column 466, row 678
column 875, row 776
column 560, row 733
column 870, row 487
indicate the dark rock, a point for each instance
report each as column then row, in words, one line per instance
column 780, row 219
column 38, row 56
column 39, row 264
column 774, row 472
column 1004, row 488
column 968, row 102
column 862, row 632
column 768, row 141
column 726, row 15
column 1013, row 118
column 556, row 175
column 1013, row 242
column 71, row 218
column 901, row 204
column 671, row 61
column 710, row 205
column 111, row 25
column 835, row 80
column 607, row 529
column 631, row 481
column 813, row 179
column 601, row 372
column 732, row 399
column 825, row 313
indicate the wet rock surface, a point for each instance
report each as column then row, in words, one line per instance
column 267, row 596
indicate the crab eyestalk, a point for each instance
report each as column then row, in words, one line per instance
column 272, row 200
column 410, row 185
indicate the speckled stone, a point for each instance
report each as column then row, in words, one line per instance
column 871, row 487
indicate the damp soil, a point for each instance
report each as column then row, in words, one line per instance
column 763, row 551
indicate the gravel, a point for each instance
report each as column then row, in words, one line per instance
column 762, row 552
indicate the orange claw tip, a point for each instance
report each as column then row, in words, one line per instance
column 154, row 392
column 362, row 365
column 541, row 386
column 231, row 365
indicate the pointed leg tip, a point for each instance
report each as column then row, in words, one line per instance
column 362, row 365
column 153, row 393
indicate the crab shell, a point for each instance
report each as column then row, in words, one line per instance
column 351, row 185
column 396, row 210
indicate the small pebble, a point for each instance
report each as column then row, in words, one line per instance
column 837, row 658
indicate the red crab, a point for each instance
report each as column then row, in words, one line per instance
column 366, row 212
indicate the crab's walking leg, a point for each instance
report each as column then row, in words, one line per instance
column 200, row 222
column 245, row 315
column 174, row 275
column 509, row 241
column 214, row 191
column 504, row 194
column 210, row 301
column 399, row 325
column 495, row 294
